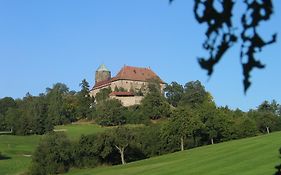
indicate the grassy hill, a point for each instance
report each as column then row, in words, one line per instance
column 251, row 156
column 257, row 155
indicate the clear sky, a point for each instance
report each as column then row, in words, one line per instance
column 44, row 42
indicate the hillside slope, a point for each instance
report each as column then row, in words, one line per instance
column 251, row 156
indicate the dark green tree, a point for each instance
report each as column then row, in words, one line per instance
column 52, row 155
column 194, row 94
column 174, row 92
column 85, row 101
column 6, row 103
column 56, row 107
column 154, row 105
column 110, row 112
column 182, row 125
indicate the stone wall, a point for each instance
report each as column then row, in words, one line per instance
column 128, row 101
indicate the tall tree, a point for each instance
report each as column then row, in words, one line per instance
column 56, row 110
column 85, row 101
column 154, row 105
column 174, row 92
column 194, row 94
column 182, row 125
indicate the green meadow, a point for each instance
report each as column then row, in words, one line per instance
column 251, row 156
column 74, row 131
column 17, row 151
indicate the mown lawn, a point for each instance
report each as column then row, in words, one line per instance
column 252, row 156
column 17, row 149
column 74, row 131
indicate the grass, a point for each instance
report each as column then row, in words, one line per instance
column 251, row 156
column 74, row 131
column 17, row 149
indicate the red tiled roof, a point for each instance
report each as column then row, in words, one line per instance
column 131, row 73
column 101, row 83
column 136, row 73
column 121, row 94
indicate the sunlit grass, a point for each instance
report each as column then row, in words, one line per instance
column 252, row 156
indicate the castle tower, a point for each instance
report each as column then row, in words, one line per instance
column 102, row 74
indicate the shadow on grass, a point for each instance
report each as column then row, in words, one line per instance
column 278, row 172
column 3, row 157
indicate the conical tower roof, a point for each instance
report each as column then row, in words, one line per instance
column 102, row 67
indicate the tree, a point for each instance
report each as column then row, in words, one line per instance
column 88, row 150
column 174, row 92
column 273, row 107
column 110, row 112
column 245, row 127
column 6, row 103
column 103, row 94
column 36, row 110
column 267, row 116
column 210, row 118
column 182, row 125
column 122, row 137
column 148, row 140
column 85, row 101
column 194, row 95
column 19, row 124
column 134, row 115
column 221, row 36
column 155, row 106
column 52, row 155
column 56, row 105
column 154, row 103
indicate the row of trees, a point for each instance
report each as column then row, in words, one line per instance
column 39, row 114
column 190, row 103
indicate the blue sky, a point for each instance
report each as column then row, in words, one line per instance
column 44, row 42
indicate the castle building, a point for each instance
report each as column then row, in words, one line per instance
column 128, row 85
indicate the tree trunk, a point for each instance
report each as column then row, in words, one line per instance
column 267, row 130
column 121, row 151
column 182, row 144
column 212, row 141
column 122, row 156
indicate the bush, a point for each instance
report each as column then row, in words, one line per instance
column 110, row 113
column 52, row 156
column 134, row 115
